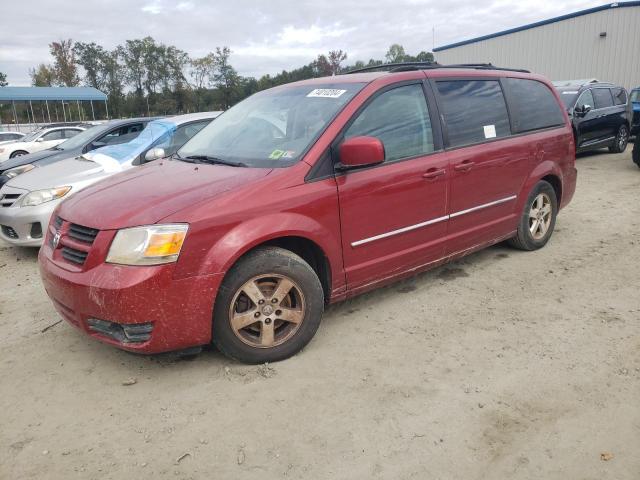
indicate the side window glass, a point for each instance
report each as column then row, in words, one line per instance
column 69, row 133
column 171, row 143
column 619, row 96
column 121, row 135
column 400, row 120
column 55, row 135
column 474, row 111
column 602, row 97
column 585, row 99
column 533, row 105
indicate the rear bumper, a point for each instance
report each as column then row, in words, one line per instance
column 177, row 312
column 569, row 186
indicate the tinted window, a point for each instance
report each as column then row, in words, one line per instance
column 399, row 118
column 70, row 133
column 585, row 99
column 121, row 135
column 171, row 143
column 619, row 96
column 474, row 111
column 55, row 135
column 602, row 97
column 533, row 106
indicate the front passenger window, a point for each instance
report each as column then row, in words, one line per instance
column 400, row 120
column 585, row 99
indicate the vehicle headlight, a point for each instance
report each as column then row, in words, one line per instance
column 148, row 245
column 41, row 196
column 14, row 172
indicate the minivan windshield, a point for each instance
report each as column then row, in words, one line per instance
column 273, row 128
column 30, row 137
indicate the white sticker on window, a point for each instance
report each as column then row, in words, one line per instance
column 570, row 92
column 326, row 93
column 489, row 131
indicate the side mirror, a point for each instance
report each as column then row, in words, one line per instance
column 359, row 152
column 581, row 112
column 40, row 139
column 154, row 154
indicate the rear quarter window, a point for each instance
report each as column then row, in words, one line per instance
column 602, row 97
column 533, row 105
column 619, row 96
column 474, row 111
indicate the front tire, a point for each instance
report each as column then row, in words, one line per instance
column 18, row 153
column 621, row 141
column 538, row 218
column 268, row 307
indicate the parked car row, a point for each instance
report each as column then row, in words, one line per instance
column 34, row 184
column 38, row 140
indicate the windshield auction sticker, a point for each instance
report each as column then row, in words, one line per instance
column 326, row 93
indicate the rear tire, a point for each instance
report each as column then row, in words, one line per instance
column 538, row 218
column 621, row 141
column 18, row 153
column 268, row 307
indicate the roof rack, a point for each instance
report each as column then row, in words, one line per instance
column 408, row 66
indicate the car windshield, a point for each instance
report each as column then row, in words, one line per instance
column 82, row 138
column 273, row 128
column 568, row 97
column 154, row 131
column 635, row 96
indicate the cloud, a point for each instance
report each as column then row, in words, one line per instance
column 265, row 36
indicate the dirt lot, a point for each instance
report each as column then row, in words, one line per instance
column 503, row 365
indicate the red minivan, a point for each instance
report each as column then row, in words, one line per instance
column 304, row 195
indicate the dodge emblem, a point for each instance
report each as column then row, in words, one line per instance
column 56, row 240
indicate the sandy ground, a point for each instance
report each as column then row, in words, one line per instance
column 504, row 365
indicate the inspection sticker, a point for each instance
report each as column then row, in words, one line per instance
column 571, row 92
column 326, row 93
column 489, row 131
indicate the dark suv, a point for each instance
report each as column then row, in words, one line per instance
column 599, row 113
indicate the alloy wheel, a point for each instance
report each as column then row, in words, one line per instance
column 540, row 216
column 267, row 310
column 623, row 138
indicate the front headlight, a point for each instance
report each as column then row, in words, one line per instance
column 149, row 245
column 37, row 197
column 14, row 172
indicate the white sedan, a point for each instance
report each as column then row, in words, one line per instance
column 10, row 136
column 38, row 140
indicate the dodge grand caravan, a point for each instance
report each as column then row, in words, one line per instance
column 307, row 194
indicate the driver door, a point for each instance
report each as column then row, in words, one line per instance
column 394, row 215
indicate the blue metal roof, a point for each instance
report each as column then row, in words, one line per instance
column 538, row 24
column 50, row 93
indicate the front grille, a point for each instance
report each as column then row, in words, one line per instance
column 9, row 232
column 57, row 223
column 8, row 199
column 83, row 234
column 74, row 255
column 36, row 230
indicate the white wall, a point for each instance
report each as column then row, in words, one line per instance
column 566, row 50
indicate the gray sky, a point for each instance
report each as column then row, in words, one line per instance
column 265, row 36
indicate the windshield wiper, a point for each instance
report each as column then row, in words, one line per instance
column 212, row 160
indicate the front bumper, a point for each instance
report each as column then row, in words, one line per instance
column 177, row 312
column 24, row 226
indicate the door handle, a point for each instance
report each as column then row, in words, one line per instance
column 434, row 173
column 464, row 166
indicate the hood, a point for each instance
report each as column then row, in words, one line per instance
column 147, row 194
column 72, row 171
column 50, row 155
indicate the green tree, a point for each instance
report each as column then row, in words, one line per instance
column 91, row 57
column 43, row 76
column 424, row 57
column 395, row 54
column 3, row 80
column 226, row 78
column 64, row 63
column 336, row 57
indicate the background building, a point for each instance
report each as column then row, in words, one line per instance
column 601, row 42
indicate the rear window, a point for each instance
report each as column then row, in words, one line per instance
column 533, row 105
column 619, row 96
column 602, row 97
column 474, row 111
